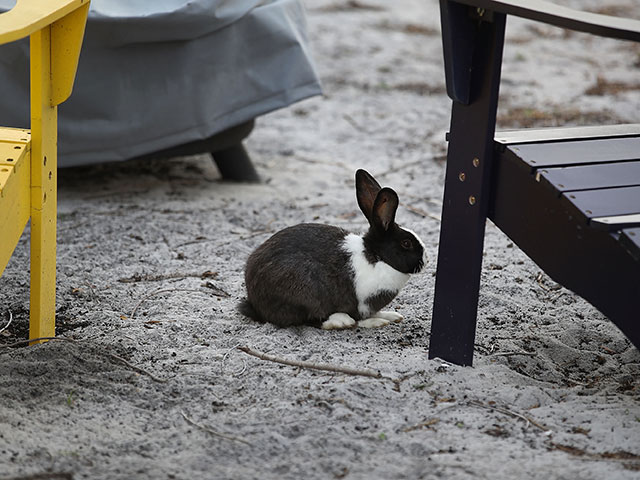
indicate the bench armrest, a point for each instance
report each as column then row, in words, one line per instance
column 547, row 12
column 29, row 16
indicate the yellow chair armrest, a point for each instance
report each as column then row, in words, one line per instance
column 29, row 16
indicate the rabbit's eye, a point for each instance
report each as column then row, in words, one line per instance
column 406, row 244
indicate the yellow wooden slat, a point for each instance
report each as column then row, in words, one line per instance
column 44, row 125
column 12, row 156
column 14, row 205
column 29, row 16
column 14, row 135
column 12, row 152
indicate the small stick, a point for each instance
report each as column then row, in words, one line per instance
column 159, row 278
column 211, row 431
column 192, row 242
column 217, row 292
column 255, row 233
column 224, row 359
column 509, row 354
column 401, row 167
column 8, row 323
column 353, row 123
column 422, row 213
column 542, row 285
column 323, row 162
column 540, row 278
column 427, row 423
column 137, row 369
column 314, row 366
column 111, row 355
column 512, row 414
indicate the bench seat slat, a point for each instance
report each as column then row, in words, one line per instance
column 616, row 222
column 543, row 135
column 606, row 202
column 590, row 177
column 573, row 153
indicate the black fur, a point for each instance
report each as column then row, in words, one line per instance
column 388, row 247
column 379, row 300
column 246, row 309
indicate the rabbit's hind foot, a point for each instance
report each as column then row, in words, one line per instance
column 338, row 321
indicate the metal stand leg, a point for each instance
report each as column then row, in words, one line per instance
column 234, row 164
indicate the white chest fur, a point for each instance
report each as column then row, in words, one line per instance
column 371, row 278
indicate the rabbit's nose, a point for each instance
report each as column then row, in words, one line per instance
column 422, row 262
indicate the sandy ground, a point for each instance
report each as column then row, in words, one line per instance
column 150, row 383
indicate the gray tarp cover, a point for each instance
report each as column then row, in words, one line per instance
column 153, row 75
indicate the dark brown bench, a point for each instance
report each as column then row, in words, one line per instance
column 569, row 198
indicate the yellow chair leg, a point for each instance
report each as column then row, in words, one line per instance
column 43, row 189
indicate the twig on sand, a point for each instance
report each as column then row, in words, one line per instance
column 8, row 323
column 214, row 291
column 323, row 162
column 528, row 420
column 255, row 233
column 113, row 356
column 211, row 431
column 168, row 276
column 619, row 455
column 542, row 285
column 136, row 369
column 351, row 121
column 426, row 424
column 316, row 366
column 397, row 168
column 192, row 242
column 224, row 359
column 511, row 354
column 540, row 281
column 422, row 213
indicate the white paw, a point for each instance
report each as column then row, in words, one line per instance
column 338, row 321
column 391, row 316
column 373, row 322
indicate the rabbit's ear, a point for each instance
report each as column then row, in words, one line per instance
column 384, row 209
column 366, row 192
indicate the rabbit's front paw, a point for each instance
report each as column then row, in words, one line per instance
column 373, row 322
column 338, row 321
column 391, row 316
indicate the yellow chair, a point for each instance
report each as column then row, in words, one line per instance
column 28, row 158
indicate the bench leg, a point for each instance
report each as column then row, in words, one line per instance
column 467, row 183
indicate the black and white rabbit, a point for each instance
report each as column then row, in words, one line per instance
column 321, row 275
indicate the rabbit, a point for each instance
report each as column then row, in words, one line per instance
column 324, row 276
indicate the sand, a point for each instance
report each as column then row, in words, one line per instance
column 147, row 380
